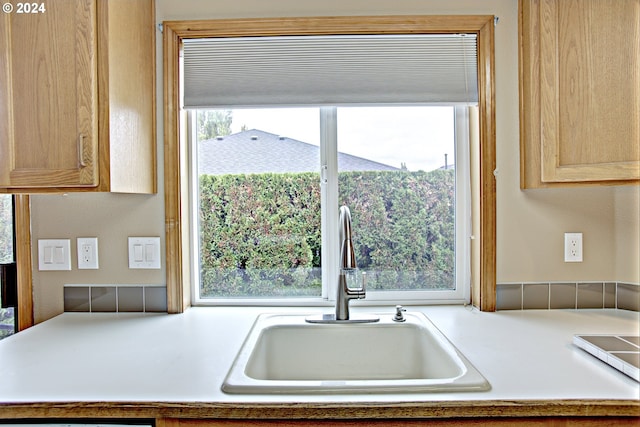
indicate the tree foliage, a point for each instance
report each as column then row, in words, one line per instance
column 404, row 227
column 260, row 233
column 212, row 123
column 7, row 315
column 6, row 229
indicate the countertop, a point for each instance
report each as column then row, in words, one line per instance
column 173, row 365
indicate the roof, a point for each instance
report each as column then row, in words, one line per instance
column 256, row 151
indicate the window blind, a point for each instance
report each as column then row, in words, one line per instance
column 330, row 70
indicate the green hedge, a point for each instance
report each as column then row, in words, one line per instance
column 260, row 233
column 6, row 229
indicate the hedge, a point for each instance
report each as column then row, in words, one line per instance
column 6, row 229
column 260, row 233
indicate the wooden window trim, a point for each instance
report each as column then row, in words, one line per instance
column 23, row 261
column 174, row 32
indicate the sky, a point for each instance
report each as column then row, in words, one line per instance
column 417, row 136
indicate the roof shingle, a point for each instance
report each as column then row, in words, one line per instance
column 256, row 151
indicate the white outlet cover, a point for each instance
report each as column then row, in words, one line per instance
column 144, row 252
column 572, row 247
column 54, row 254
column 87, row 253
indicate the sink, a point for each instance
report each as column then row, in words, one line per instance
column 285, row 354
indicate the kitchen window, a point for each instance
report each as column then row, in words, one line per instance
column 268, row 179
column 261, row 199
column 178, row 176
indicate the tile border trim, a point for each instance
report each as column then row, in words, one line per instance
column 146, row 305
column 618, row 295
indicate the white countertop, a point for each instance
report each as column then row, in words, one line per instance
column 102, row 357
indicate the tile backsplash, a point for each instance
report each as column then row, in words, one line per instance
column 115, row 298
column 509, row 296
column 576, row 295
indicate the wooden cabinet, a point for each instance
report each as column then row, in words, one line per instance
column 579, row 92
column 77, row 97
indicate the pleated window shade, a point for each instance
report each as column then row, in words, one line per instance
column 330, row 70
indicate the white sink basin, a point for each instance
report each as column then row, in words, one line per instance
column 285, row 354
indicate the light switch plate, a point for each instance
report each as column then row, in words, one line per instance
column 54, row 254
column 144, row 252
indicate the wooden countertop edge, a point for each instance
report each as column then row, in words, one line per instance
column 318, row 410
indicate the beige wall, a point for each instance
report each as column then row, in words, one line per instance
column 109, row 217
column 530, row 223
column 627, row 232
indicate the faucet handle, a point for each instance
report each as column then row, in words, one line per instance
column 355, row 292
column 363, row 288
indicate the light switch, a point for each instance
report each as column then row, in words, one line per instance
column 149, row 253
column 48, row 255
column 144, row 252
column 54, row 254
column 137, row 253
column 58, row 255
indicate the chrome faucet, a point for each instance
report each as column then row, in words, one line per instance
column 348, row 268
column 348, row 273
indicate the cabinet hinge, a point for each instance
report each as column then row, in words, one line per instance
column 160, row 27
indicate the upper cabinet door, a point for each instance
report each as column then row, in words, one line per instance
column 580, row 91
column 77, row 98
column 48, row 92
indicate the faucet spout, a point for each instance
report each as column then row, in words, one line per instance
column 348, row 274
column 348, row 268
column 347, row 252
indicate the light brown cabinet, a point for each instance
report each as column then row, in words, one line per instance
column 77, row 97
column 579, row 92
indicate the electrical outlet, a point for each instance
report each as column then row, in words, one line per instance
column 572, row 247
column 87, row 253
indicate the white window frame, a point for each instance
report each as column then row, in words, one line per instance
column 329, row 226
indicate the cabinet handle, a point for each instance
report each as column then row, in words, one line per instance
column 81, row 151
